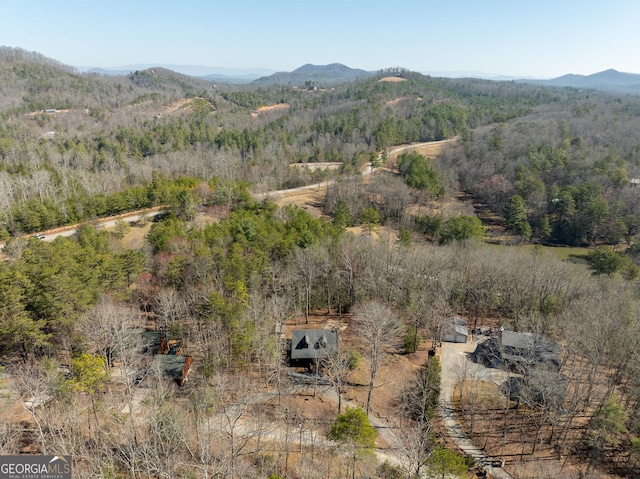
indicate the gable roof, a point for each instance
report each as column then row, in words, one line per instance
column 533, row 347
column 172, row 366
column 313, row 343
column 528, row 342
column 455, row 325
column 516, row 350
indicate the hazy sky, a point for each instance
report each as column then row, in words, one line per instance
column 541, row 38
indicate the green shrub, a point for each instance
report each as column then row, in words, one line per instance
column 412, row 340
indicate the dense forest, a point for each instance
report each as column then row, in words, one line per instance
column 222, row 271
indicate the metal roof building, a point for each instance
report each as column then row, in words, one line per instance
column 455, row 330
column 519, row 351
column 313, row 343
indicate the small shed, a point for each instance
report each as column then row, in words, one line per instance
column 455, row 330
column 313, row 343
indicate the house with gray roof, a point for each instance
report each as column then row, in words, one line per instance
column 310, row 344
column 519, row 351
column 169, row 360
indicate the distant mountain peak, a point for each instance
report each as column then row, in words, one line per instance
column 608, row 80
column 309, row 67
column 330, row 74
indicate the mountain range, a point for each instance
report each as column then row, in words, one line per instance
column 608, row 80
column 220, row 74
column 325, row 75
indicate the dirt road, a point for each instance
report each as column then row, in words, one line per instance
column 429, row 148
column 426, row 148
column 274, row 195
column 110, row 222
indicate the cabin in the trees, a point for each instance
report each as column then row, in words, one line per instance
column 312, row 344
column 172, row 366
column 169, row 360
column 455, row 330
column 519, row 352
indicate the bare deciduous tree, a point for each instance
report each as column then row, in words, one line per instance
column 109, row 328
column 305, row 264
column 338, row 364
column 416, row 444
column 378, row 327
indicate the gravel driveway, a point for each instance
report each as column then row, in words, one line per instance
column 454, row 365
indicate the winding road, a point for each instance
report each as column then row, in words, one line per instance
column 109, row 222
column 368, row 170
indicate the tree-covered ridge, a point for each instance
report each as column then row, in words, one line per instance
column 108, row 134
column 574, row 183
column 566, row 178
column 34, row 83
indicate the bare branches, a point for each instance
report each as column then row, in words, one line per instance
column 378, row 327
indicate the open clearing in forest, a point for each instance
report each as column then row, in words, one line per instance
column 312, row 201
column 392, row 79
column 264, row 109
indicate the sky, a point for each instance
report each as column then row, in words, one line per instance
column 521, row 38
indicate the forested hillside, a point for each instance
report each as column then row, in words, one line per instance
column 109, row 134
column 568, row 168
column 222, row 278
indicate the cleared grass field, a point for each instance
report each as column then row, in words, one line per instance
column 564, row 253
